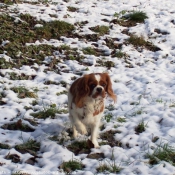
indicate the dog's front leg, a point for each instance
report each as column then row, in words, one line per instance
column 75, row 133
column 94, row 134
column 78, row 126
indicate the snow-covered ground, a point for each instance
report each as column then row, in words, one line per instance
column 145, row 88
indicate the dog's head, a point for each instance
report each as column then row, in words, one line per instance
column 95, row 85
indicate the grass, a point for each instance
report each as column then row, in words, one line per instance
column 8, row 2
column 48, row 82
column 34, row 102
column 120, row 14
column 4, row 146
column 129, row 19
column 60, row 93
column 50, row 111
column 89, row 51
column 18, row 173
column 107, row 64
column 109, row 166
column 108, row 117
column 121, row 119
column 71, row 165
column 60, row 138
column 31, row 146
column 11, row 2
column 31, row 121
column 101, row 30
column 24, row 92
column 134, row 103
column 70, row 53
column 19, row 125
column 137, row 16
column 138, row 112
column 120, row 54
column 172, row 105
column 16, row 48
column 110, row 107
column 103, row 167
column 13, row 157
column 2, row 95
column 139, row 41
column 37, row 53
column 29, row 55
column 163, row 152
column 15, row 76
column 63, row 83
column 72, row 9
column 141, row 127
column 108, row 138
column 5, row 64
column 159, row 100
column 64, row 47
column 79, row 147
column 55, row 29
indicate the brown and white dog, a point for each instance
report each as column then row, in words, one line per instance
column 86, row 103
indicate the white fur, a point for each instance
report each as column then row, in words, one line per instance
column 83, row 119
column 97, row 77
column 95, row 90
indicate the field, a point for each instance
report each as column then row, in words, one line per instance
column 46, row 44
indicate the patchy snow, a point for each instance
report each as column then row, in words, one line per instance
column 144, row 92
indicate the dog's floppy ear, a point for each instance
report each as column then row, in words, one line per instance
column 79, row 90
column 109, row 87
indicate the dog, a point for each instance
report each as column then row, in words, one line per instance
column 86, row 103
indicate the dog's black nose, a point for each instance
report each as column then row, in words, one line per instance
column 99, row 89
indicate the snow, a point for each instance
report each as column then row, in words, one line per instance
column 150, row 84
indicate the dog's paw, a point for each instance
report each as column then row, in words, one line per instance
column 83, row 131
column 96, row 145
column 75, row 134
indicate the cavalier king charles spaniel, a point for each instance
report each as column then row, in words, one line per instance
column 86, row 99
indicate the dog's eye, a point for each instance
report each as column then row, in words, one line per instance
column 104, row 85
column 92, row 85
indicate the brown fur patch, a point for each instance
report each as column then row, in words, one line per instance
column 98, row 111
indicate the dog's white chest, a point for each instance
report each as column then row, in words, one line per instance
column 90, row 111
